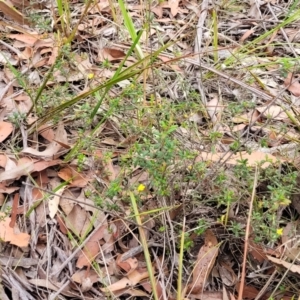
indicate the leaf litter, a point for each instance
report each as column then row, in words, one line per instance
column 93, row 247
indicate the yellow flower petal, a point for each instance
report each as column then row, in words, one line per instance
column 90, row 76
column 141, row 187
column 279, row 231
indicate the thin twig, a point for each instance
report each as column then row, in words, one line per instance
column 242, row 282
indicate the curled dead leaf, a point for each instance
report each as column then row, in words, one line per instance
column 53, row 148
column 205, row 261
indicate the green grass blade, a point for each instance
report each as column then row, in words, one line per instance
column 130, row 27
column 115, row 76
column 145, row 245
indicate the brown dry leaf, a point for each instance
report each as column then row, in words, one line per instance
column 53, row 148
column 289, row 240
column 78, row 220
column 12, row 235
column 134, row 293
column 158, row 11
column 28, row 39
column 225, row 294
column 231, row 296
column 292, row 84
column 205, row 261
column 10, row 11
column 246, row 35
column 257, row 252
column 173, row 4
column 61, row 223
column 6, row 129
column 253, row 159
column 127, row 282
column 214, row 107
column 53, row 57
column 14, row 210
column 18, row 171
column 86, row 278
column 67, row 204
column 172, row 65
column 127, row 265
column 274, row 112
column 73, row 177
column 227, row 274
column 3, row 160
column 238, row 127
column 207, row 296
column 24, row 103
column 46, row 283
column 291, row 267
column 247, row 118
column 91, row 249
column 47, row 133
column 249, row 291
column 110, row 54
column 8, row 190
column 26, row 53
column 42, row 165
column 108, row 237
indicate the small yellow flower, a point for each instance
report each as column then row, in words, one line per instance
column 141, row 188
column 90, row 76
column 222, row 219
column 279, row 231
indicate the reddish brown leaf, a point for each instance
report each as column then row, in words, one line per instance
column 128, row 265
column 257, row 251
column 246, row 35
column 91, row 249
column 29, row 39
column 12, row 235
column 6, row 129
column 62, row 226
column 249, row 291
column 73, row 177
column 42, row 165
